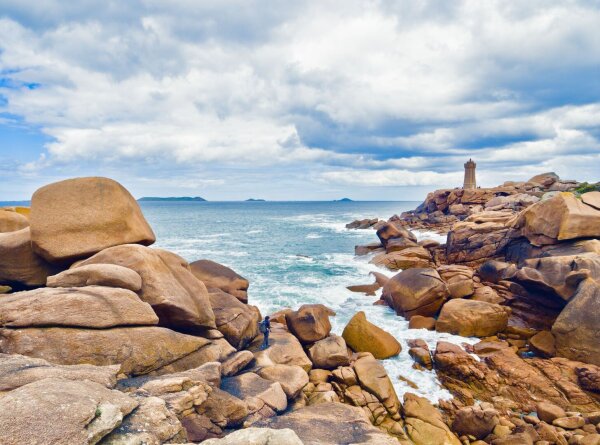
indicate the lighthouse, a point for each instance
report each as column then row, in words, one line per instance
column 470, row 182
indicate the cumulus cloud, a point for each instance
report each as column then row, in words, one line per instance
column 356, row 93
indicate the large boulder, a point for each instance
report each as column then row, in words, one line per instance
column 284, row 348
column 291, row 378
column 329, row 353
column 89, row 307
column 139, row 350
column 237, row 321
column 78, row 217
column 544, row 179
column 18, row 370
column 373, row 377
column 424, row 423
column 12, row 221
column 363, row 336
column 250, row 385
column 471, row 318
column 329, row 424
column 404, row 259
column 561, row 217
column 416, row 292
column 592, row 199
column 179, row 299
column 459, row 280
column 576, row 332
column 215, row 275
column 19, row 264
column 476, row 420
column 390, row 231
column 97, row 275
column 310, row 323
column 61, row 412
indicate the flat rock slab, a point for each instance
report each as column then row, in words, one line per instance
column 89, row 307
column 18, row 370
column 139, row 350
column 330, row 424
column 61, row 412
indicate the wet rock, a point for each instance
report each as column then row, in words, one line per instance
column 215, row 275
column 415, row 292
column 19, row 264
column 576, row 328
column 363, row 336
column 329, row 424
column 310, row 323
column 420, row 322
column 421, row 356
column 179, row 299
column 477, row 421
column 471, row 318
column 109, row 275
column 139, row 350
column 258, row 436
column 79, row 217
column 61, row 412
column 18, row 370
column 237, row 321
column 329, row 353
column 90, row 307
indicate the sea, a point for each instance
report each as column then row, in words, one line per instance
column 296, row 253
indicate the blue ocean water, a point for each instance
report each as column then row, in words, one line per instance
column 295, row 253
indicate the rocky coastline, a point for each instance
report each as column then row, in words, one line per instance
column 106, row 340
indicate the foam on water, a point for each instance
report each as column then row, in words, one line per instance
column 299, row 253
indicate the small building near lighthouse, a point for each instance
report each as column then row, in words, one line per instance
column 470, row 182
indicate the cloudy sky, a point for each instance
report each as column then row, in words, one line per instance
column 297, row 99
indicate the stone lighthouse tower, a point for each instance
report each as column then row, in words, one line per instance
column 470, row 182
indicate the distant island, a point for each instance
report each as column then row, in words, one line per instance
column 343, row 200
column 255, row 200
column 173, row 198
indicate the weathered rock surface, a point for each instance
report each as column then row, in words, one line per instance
column 543, row 344
column 78, row 217
column 292, row 378
column 363, row 336
column 258, row 436
column 250, row 385
column 592, row 199
column 329, row 424
column 284, row 349
column 237, row 321
column 389, row 231
column 415, row 292
column 424, row 423
column 576, row 329
column 179, row 299
column 459, row 280
column 471, row 318
column 109, row 275
column 89, row 307
column 61, row 412
column 561, row 217
column 476, row 420
column 238, row 361
column 18, row 370
column 12, row 221
column 408, row 258
column 310, row 323
column 215, row 275
column 19, row 264
column 329, row 353
column 139, row 350
column 548, row 412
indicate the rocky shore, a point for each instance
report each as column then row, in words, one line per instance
column 104, row 339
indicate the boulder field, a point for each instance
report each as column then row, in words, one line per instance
column 107, row 340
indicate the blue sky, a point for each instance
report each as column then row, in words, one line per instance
column 297, row 100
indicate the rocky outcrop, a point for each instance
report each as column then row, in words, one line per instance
column 330, row 424
column 459, row 280
column 109, row 275
column 87, row 307
column 576, row 328
column 389, row 231
column 407, row 258
column 471, row 318
column 19, row 264
column 237, row 321
column 12, row 221
column 79, row 217
column 561, row 217
column 215, row 275
column 250, row 386
column 477, row 420
column 284, row 349
column 310, row 323
column 139, row 350
column 18, row 370
column 179, row 299
column 415, row 292
column 362, row 336
column 61, row 412
column 329, row 353
column 292, row 378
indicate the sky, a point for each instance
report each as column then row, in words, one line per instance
column 372, row 100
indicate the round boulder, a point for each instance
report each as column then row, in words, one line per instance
column 475, row 421
column 215, row 275
column 310, row 323
column 363, row 336
column 12, row 221
column 471, row 318
column 329, row 353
